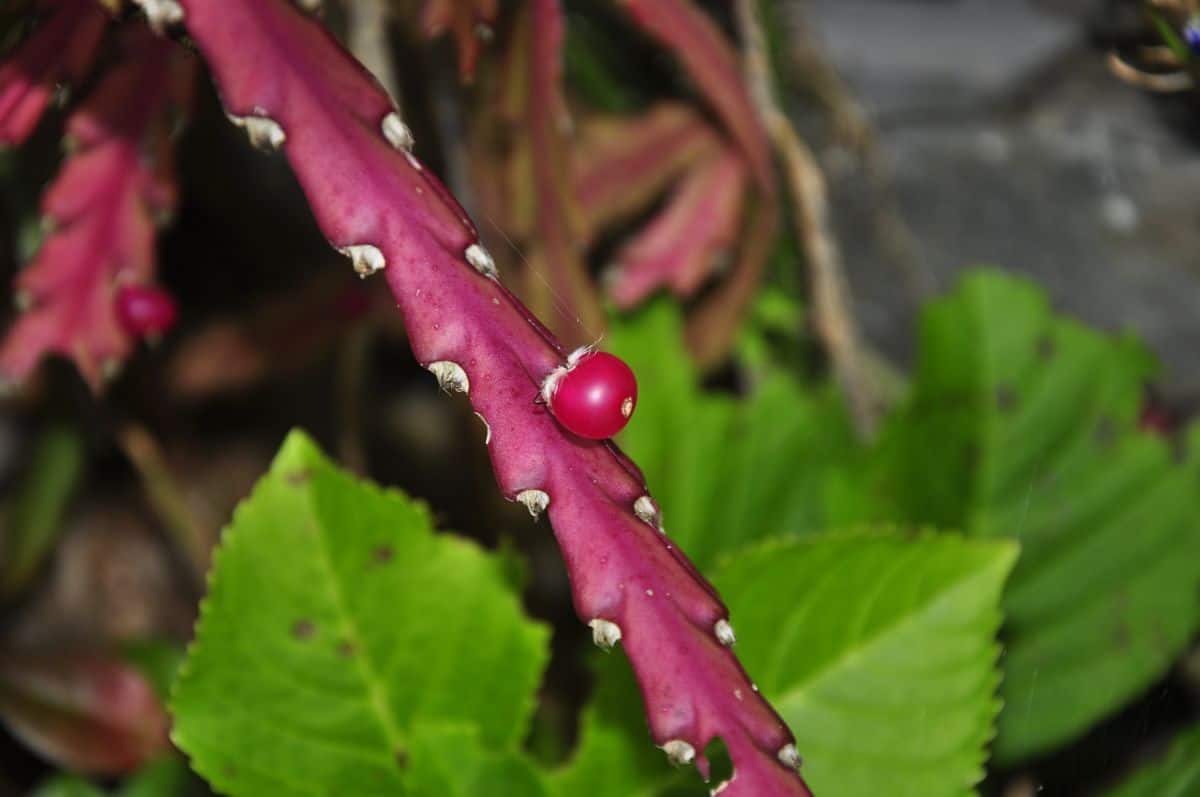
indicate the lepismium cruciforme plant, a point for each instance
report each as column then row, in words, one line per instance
column 60, row 50
column 101, row 213
column 284, row 79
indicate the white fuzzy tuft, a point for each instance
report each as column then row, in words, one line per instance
column 161, row 14
column 679, row 752
column 365, row 258
column 647, row 511
column 397, row 133
column 789, row 756
column 450, row 376
column 482, row 260
column 724, row 632
column 536, row 501
column 263, row 131
column 605, row 633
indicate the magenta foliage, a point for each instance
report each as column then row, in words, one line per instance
column 101, row 213
column 713, row 64
column 282, row 75
column 61, row 49
column 682, row 244
column 85, row 710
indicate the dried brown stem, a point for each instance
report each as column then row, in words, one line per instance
column 166, row 497
column 832, row 318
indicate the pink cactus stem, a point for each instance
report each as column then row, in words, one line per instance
column 100, row 213
column 681, row 246
column 61, row 49
column 289, row 83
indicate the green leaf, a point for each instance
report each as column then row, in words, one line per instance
column 68, row 786
column 336, row 622
column 451, row 761
column 1025, row 425
column 36, row 518
column 879, row 651
column 158, row 660
column 615, row 756
column 728, row 472
column 1176, row 775
column 166, row 777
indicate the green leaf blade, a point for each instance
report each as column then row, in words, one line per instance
column 883, row 634
column 1177, row 774
column 335, row 621
column 1024, row 424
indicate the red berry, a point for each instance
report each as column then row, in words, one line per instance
column 594, row 396
column 145, row 310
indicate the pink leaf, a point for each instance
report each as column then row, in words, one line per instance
column 684, row 242
column 85, row 711
column 101, row 211
column 464, row 325
column 61, row 49
column 624, row 163
column 713, row 65
column 469, row 21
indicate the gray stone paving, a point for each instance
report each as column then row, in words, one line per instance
column 1011, row 145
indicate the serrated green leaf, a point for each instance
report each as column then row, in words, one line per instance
column 727, row 472
column 1023, row 424
column 336, row 621
column 1176, row 775
column 879, row 651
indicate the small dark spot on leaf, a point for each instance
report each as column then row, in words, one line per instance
column 229, row 771
column 299, row 477
column 382, row 554
column 1006, row 399
column 303, row 629
column 1121, row 636
column 346, row 649
column 401, row 758
column 1106, row 432
column 1045, row 347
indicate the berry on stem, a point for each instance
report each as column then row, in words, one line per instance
column 145, row 310
column 594, row 395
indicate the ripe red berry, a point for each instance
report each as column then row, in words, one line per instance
column 594, row 395
column 145, row 310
